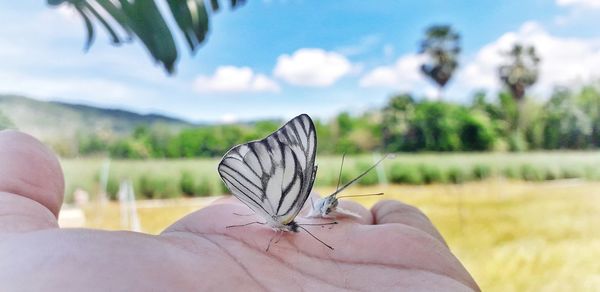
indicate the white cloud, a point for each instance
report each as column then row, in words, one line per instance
column 579, row 3
column 312, row 67
column 404, row 75
column 231, row 79
column 564, row 60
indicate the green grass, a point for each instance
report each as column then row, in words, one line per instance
column 163, row 178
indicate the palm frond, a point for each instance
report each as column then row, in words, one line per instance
column 142, row 19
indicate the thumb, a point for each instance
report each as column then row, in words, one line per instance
column 31, row 184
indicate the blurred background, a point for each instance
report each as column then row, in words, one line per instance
column 492, row 107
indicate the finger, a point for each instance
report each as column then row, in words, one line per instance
column 214, row 218
column 31, row 183
column 360, row 214
column 226, row 200
column 403, row 247
column 389, row 212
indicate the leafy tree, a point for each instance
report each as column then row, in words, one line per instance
column 366, row 133
column 566, row 125
column 143, row 19
column 324, row 137
column 343, row 127
column 442, row 45
column 397, row 115
column 476, row 132
column 345, row 124
column 262, row 129
column 588, row 100
column 91, row 144
column 437, row 125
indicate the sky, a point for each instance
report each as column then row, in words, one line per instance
column 280, row 58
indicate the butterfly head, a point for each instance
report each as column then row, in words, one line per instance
column 277, row 225
column 329, row 205
column 293, row 226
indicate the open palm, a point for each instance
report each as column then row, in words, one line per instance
column 393, row 246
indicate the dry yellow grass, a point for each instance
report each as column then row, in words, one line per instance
column 511, row 236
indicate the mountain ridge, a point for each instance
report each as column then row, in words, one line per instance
column 57, row 121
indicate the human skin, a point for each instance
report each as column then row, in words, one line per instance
column 393, row 246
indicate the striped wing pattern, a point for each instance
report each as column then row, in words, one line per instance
column 274, row 176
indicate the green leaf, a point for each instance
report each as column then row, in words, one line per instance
column 143, row 19
column 192, row 18
column 117, row 14
column 56, row 2
column 236, row 3
column 89, row 27
column 115, row 38
column 215, row 5
column 149, row 25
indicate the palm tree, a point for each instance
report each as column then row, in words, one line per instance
column 519, row 73
column 442, row 45
column 143, row 20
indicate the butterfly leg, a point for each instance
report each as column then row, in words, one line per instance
column 242, row 225
column 319, row 224
column 279, row 237
column 279, row 233
column 238, row 214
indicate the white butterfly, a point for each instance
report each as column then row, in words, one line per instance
column 328, row 207
column 274, row 176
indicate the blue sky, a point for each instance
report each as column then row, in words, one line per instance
column 277, row 58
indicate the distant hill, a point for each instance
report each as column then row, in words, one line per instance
column 54, row 122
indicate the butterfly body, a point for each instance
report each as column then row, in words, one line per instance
column 328, row 208
column 290, row 227
column 274, row 176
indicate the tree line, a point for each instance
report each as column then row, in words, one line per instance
column 569, row 119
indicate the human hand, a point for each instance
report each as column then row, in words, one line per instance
column 392, row 247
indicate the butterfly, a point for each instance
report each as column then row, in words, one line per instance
column 274, row 176
column 328, row 207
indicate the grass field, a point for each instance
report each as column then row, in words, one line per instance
column 162, row 178
column 512, row 235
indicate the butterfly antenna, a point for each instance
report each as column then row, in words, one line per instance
column 340, row 175
column 360, row 176
column 242, row 225
column 363, row 195
column 325, row 244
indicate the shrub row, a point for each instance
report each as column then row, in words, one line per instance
column 427, row 174
column 150, row 186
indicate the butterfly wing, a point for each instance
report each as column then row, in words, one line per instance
column 274, row 176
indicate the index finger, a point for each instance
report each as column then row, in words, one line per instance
column 389, row 212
